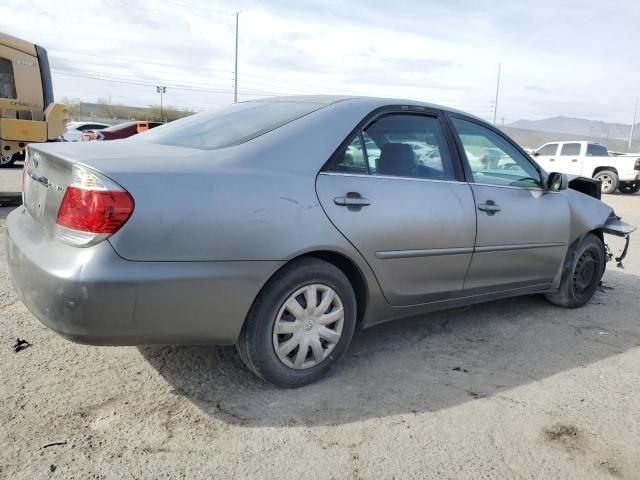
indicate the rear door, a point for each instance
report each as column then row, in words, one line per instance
column 523, row 230
column 409, row 214
column 569, row 159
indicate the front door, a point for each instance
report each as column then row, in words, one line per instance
column 522, row 233
column 394, row 193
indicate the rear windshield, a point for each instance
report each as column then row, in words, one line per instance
column 595, row 150
column 229, row 125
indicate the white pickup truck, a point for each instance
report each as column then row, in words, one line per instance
column 590, row 159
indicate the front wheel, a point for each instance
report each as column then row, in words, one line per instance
column 608, row 179
column 580, row 280
column 300, row 325
column 629, row 187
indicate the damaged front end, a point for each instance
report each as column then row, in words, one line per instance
column 615, row 226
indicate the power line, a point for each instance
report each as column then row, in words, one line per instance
column 133, row 60
column 144, row 84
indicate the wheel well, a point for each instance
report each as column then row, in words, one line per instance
column 351, row 271
column 600, row 169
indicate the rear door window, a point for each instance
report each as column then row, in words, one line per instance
column 595, row 150
column 7, row 80
column 570, row 150
column 400, row 145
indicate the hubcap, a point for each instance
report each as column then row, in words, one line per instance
column 308, row 326
column 606, row 180
column 585, row 272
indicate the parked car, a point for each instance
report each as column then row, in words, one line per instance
column 74, row 130
column 591, row 159
column 267, row 225
column 122, row 130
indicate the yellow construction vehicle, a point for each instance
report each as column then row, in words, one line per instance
column 27, row 111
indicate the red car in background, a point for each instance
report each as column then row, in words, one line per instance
column 122, row 130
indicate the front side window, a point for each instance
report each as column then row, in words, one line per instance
column 230, row 125
column 595, row 150
column 492, row 159
column 7, row 80
column 549, row 149
column 570, row 150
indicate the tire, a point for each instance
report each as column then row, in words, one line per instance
column 609, row 181
column 324, row 343
column 586, row 265
column 7, row 161
column 629, row 187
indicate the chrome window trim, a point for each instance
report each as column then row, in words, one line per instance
column 390, row 177
column 457, row 182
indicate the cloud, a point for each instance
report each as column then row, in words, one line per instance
column 558, row 58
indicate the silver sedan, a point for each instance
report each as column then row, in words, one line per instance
column 280, row 225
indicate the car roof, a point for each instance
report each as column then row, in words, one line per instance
column 374, row 102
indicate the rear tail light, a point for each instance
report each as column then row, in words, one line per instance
column 93, row 207
column 637, row 165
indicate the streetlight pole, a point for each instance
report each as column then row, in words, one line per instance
column 495, row 106
column 161, row 90
column 635, row 113
column 235, row 71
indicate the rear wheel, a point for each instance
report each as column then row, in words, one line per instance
column 300, row 325
column 629, row 187
column 609, row 181
column 580, row 280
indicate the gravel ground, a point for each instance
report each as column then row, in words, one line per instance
column 509, row 389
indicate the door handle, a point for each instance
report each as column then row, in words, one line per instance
column 490, row 207
column 352, row 200
column 552, row 159
column 574, row 160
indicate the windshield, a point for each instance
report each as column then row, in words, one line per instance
column 229, row 125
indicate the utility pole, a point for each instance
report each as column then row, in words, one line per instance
column 495, row 106
column 235, row 71
column 161, row 90
column 635, row 113
column 502, row 123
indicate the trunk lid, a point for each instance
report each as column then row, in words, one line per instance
column 48, row 171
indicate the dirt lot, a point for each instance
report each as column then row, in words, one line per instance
column 510, row 389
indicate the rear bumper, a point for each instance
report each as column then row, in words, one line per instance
column 93, row 296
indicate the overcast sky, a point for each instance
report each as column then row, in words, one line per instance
column 573, row 58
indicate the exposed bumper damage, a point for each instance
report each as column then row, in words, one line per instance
column 615, row 226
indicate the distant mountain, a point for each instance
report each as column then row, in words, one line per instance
column 576, row 126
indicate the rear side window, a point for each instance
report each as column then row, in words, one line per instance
column 594, row 150
column 229, row 125
column 7, row 81
column 400, row 145
column 570, row 149
column 550, row 149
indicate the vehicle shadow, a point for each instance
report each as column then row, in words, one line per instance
column 416, row 365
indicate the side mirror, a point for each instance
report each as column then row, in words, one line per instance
column 534, row 153
column 557, row 181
